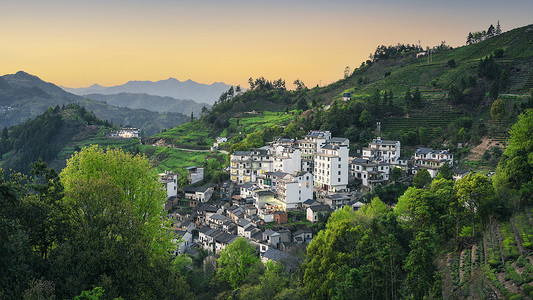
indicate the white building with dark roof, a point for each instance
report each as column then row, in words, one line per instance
column 382, row 151
column 170, row 182
column 310, row 145
column 331, row 168
column 294, row 189
column 431, row 160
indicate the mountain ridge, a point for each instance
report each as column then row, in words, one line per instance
column 170, row 87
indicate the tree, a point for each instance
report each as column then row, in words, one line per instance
column 446, row 171
column 498, row 110
column 300, row 85
column 498, row 29
column 365, row 118
column 417, row 98
column 469, row 38
column 515, row 169
column 473, row 191
column 347, row 72
column 236, row 262
column 491, row 31
column 251, row 82
column 408, row 99
column 135, row 179
column 455, row 95
column 396, row 174
column 116, row 229
column 422, row 178
column 419, row 265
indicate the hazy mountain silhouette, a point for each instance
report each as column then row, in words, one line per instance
column 170, row 87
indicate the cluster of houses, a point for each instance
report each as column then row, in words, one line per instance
column 125, row 133
column 311, row 175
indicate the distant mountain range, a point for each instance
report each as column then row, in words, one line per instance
column 151, row 102
column 171, row 87
column 24, row 96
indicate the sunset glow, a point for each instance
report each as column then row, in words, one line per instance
column 79, row 43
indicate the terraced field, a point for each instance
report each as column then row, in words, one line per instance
column 498, row 267
column 439, row 115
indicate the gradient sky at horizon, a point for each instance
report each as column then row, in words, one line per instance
column 79, row 43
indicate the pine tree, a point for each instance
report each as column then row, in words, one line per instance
column 469, row 38
column 498, row 29
column 490, row 31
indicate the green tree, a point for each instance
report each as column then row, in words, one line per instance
column 236, row 262
column 446, row 171
column 417, row 98
column 136, row 181
column 473, row 190
column 515, row 169
column 365, row 118
column 329, row 251
column 421, row 178
column 396, row 174
column 419, row 265
column 498, row 110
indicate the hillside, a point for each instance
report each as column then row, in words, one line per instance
column 171, row 87
column 151, row 102
column 24, row 96
column 52, row 136
column 445, row 99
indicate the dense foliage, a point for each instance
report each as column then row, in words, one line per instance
column 103, row 229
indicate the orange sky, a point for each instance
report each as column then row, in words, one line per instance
column 79, row 43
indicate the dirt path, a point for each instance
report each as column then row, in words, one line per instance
column 477, row 152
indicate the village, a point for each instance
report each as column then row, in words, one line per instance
column 277, row 192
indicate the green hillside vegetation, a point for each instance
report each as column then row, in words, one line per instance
column 52, row 137
column 149, row 122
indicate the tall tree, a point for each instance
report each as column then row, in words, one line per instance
column 236, row 262
column 515, row 169
column 473, row 190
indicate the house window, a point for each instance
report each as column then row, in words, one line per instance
column 339, row 172
column 338, row 180
column 339, row 166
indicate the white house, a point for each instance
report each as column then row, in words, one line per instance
column 195, row 174
column 314, row 210
column 382, row 151
column 432, row 160
column 185, row 240
column 170, row 181
column 331, row 168
column 294, row 189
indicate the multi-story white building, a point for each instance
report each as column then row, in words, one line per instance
column 382, row 151
column 371, row 173
column 241, row 166
column 170, row 181
column 294, row 189
column 331, row 168
column 287, row 159
column 310, row 145
column 432, row 160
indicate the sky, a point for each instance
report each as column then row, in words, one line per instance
column 79, row 43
